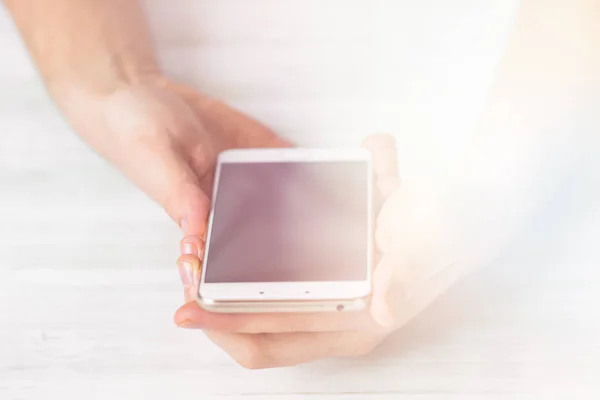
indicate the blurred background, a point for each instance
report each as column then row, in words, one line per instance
column 87, row 276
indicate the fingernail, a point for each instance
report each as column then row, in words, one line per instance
column 190, row 248
column 186, row 273
column 192, row 245
column 188, row 324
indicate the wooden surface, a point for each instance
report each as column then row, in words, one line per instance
column 87, row 277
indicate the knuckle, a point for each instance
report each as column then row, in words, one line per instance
column 252, row 357
column 188, row 258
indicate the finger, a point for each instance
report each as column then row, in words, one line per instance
column 192, row 245
column 190, row 207
column 387, row 291
column 190, row 269
column 395, row 307
column 192, row 316
column 385, row 162
column 217, row 116
column 289, row 349
column 174, row 186
column 422, row 295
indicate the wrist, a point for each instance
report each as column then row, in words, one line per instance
column 103, row 80
column 91, row 113
column 79, row 97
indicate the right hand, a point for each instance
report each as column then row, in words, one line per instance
column 165, row 137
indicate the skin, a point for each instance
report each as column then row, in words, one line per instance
column 97, row 60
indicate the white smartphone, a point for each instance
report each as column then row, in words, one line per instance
column 290, row 230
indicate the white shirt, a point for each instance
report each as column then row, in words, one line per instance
column 328, row 73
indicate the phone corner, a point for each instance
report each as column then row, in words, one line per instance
column 204, row 303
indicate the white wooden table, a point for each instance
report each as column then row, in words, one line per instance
column 88, row 283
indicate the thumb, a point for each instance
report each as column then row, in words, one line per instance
column 161, row 147
column 189, row 206
column 419, row 254
column 166, row 177
column 385, row 163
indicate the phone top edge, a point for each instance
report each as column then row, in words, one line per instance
column 294, row 154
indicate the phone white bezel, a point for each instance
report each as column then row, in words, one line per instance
column 289, row 291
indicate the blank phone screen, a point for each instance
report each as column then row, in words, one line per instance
column 290, row 222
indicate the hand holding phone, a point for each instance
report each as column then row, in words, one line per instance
column 264, row 340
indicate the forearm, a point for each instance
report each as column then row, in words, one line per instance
column 86, row 45
column 527, row 138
